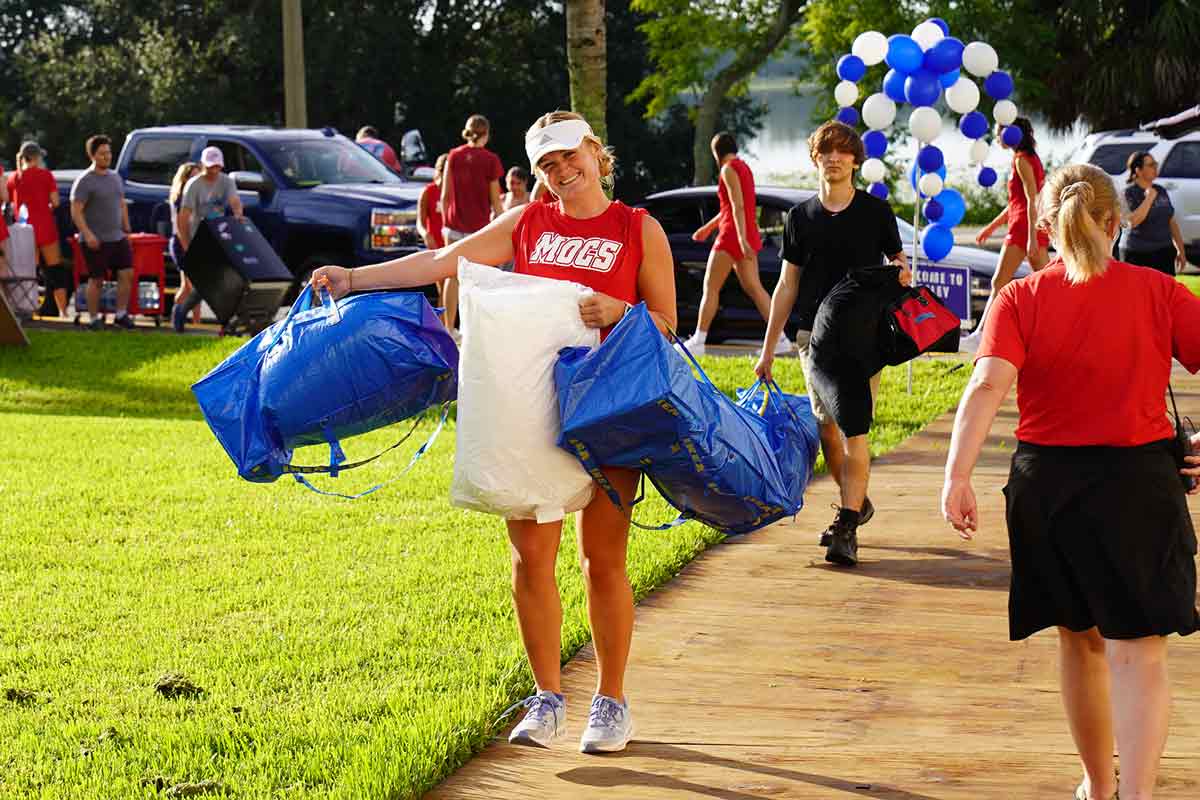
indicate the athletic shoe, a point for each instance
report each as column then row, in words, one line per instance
column 97, row 324
column 609, row 727
column 178, row 318
column 694, row 345
column 544, row 722
column 124, row 321
column 783, row 346
column 864, row 516
column 970, row 342
column 843, row 544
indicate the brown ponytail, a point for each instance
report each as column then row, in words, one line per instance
column 1078, row 204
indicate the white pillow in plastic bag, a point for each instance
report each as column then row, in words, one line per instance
column 507, row 461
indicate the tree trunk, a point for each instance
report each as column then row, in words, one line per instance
column 587, row 62
column 744, row 65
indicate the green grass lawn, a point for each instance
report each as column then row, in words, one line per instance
column 1190, row 281
column 349, row 650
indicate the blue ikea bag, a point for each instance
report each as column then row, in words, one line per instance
column 325, row 373
column 633, row 402
column 793, row 429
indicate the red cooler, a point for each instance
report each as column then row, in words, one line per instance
column 148, row 266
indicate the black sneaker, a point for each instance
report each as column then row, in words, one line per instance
column 97, row 324
column 843, row 547
column 124, row 321
column 868, row 511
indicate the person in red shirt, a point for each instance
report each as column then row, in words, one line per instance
column 470, row 196
column 623, row 255
column 1101, row 539
column 34, row 187
column 3, row 225
column 429, row 208
column 737, row 245
column 368, row 139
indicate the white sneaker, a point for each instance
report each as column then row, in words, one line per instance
column 694, row 345
column 969, row 343
column 783, row 346
column 609, row 727
column 544, row 722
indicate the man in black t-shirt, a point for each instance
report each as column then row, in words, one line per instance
column 839, row 229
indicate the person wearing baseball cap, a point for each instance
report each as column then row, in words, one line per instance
column 622, row 254
column 34, row 187
column 205, row 196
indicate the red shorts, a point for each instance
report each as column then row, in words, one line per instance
column 729, row 244
column 1018, row 236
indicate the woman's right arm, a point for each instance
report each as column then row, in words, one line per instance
column 491, row 245
column 1138, row 215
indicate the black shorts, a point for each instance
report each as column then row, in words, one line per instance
column 1100, row 537
column 1162, row 259
column 56, row 277
column 109, row 259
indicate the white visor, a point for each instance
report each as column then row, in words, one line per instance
column 565, row 135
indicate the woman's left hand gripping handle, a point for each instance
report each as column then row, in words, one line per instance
column 334, row 279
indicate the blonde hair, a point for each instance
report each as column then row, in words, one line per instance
column 606, row 155
column 439, row 167
column 1077, row 206
column 476, row 128
column 181, row 178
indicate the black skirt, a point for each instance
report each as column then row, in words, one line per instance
column 1100, row 537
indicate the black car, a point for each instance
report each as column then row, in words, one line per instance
column 682, row 211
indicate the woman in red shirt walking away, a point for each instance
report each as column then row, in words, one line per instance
column 1101, row 539
column 623, row 255
column 737, row 245
column 34, row 187
column 470, row 196
column 1023, row 239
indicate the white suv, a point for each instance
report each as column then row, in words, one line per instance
column 1178, row 171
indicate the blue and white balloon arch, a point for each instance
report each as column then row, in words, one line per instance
column 925, row 67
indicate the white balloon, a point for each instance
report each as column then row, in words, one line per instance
column 871, row 47
column 925, row 124
column 873, row 170
column 927, row 34
column 963, row 96
column 845, row 93
column 980, row 59
column 1005, row 112
column 979, row 151
column 930, row 184
column 878, row 111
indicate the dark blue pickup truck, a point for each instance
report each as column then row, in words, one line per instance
column 317, row 196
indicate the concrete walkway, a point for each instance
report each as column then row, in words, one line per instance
column 762, row 672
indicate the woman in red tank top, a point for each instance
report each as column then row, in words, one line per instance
column 737, row 245
column 623, row 254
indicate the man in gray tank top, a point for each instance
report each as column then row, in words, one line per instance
column 98, row 211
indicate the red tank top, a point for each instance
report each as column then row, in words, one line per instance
column 725, row 226
column 432, row 196
column 1018, row 206
column 603, row 253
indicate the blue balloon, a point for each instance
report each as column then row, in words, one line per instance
column 848, row 115
column 945, row 55
column 904, row 54
column 998, row 85
column 933, row 210
column 851, row 68
column 953, row 207
column 875, row 143
column 938, row 241
column 948, row 79
column 1012, row 135
column 930, row 158
column 941, row 23
column 913, row 177
column 973, row 125
column 922, row 88
column 987, row 176
column 893, row 85
column 880, row 190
